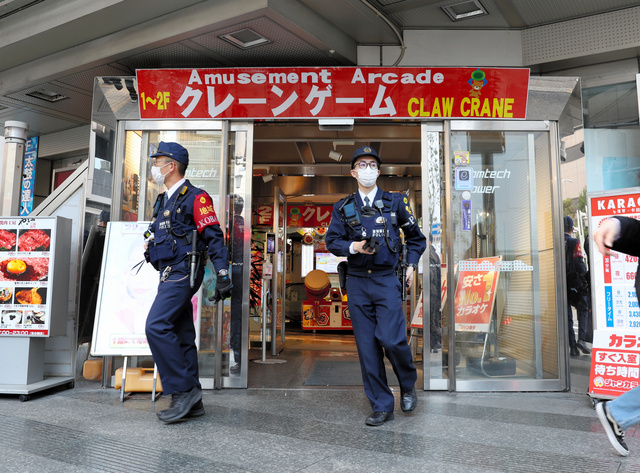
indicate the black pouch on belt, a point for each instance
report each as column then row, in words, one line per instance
column 343, row 266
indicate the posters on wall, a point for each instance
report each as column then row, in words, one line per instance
column 26, row 271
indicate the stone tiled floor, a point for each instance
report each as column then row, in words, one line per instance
column 279, row 425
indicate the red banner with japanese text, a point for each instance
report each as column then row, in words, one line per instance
column 476, row 293
column 615, row 363
column 297, row 215
column 331, row 92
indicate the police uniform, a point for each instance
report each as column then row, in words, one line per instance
column 374, row 290
column 170, row 326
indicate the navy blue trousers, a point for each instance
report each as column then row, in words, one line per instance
column 171, row 332
column 375, row 305
column 582, row 314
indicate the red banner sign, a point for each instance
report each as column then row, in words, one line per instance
column 615, row 363
column 476, row 293
column 615, row 205
column 297, row 215
column 315, row 92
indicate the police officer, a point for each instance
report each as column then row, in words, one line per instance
column 181, row 214
column 365, row 227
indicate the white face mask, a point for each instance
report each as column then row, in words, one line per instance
column 156, row 174
column 367, row 177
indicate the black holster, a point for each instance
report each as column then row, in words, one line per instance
column 343, row 266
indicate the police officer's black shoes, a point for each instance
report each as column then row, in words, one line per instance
column 409, row 400
column 573, row 351
column 196, row 411
column 378, row 418
column 583, row 347
column 181, row 406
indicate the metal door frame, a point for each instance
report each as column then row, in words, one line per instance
column 450, row 383
column 279, row 199
column 183, row 125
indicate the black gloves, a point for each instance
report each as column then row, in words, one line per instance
column 223, row 286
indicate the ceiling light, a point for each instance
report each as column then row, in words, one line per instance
column 47, row 95
column 335, row 124
column 245, row 38
column 343, row 142
column 335, row 155
column 465, row 10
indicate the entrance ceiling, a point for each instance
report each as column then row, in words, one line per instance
column 57, row 47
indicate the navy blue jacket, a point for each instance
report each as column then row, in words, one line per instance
column 189, row 208
column 397, row 214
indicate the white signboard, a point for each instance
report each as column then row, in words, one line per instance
column 27, row 260
column 126, row 294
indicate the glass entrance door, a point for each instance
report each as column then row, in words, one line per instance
column 493, row 219
column 209, row 144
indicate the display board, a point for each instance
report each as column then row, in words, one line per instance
column 30, row 271
column 615, row 304
column 125, row 294
column 615, row 359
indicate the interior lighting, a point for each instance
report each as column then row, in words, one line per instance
column 465, row 10
column 48, row 95
column 245, row 38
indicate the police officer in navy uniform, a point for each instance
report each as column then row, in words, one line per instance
column 181, row 214
column 365, row 227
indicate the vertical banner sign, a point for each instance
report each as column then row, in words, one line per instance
column 314, row 92
column 28, row 176
column 615, row 359
column 476, row 293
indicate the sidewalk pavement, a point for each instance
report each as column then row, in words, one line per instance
column 310, row 430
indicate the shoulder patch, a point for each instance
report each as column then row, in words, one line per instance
column 203, row 213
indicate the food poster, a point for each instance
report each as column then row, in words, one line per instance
column 26, row 263
column 476, row 293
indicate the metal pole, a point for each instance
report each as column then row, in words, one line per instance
column 15, row 135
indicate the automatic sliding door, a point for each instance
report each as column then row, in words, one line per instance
column 503, row 292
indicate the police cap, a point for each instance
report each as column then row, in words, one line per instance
column 173, row 151
column 568, row 223
column 364, row 151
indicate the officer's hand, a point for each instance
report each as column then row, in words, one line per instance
column 223, row 286
column 146, row 242
column 409, row 276
column 358, row 247
column 606, row 234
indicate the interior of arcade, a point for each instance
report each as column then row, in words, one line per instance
column 310, row 165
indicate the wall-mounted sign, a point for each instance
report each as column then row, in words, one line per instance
column 297, row 215
column 330, row 92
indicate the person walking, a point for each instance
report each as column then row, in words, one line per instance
column 365, row 227
column 576, row 290
column 182, row 213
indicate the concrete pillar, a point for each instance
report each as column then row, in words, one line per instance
column 15, row 136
